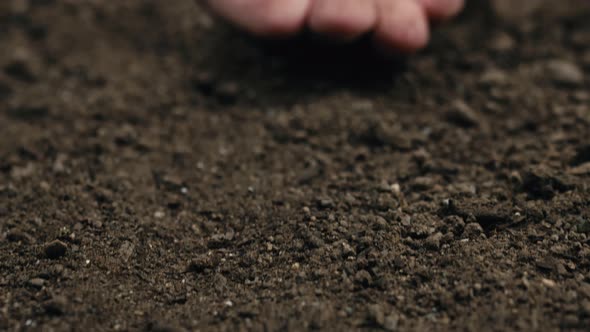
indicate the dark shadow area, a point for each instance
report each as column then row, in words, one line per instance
column 307, row 65
column 299, row 67
column 355, row 66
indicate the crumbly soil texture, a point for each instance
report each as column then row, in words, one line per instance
column 160, row 171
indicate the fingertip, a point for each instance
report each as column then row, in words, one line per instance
column 442, row 10
column 264, row 18
column 344, row 20
column 403, row 27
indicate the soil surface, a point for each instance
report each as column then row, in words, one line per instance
column 159, row 171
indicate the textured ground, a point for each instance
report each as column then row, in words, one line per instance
column 161, row 172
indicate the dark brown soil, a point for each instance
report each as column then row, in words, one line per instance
column 162, row 172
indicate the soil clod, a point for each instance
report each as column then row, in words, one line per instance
column 473, row 230
column 201, row 263
column 463, row 115
column 541, row 182
column 565, row 73
column 37, row 283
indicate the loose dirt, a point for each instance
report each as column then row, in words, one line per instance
column 161, row 172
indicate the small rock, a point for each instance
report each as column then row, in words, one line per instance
column 448, row 237
column 202, row 263
column 515, row 178
column 221, row 240
column 59, row 163
column 325, row 203
column 126, row 250
column 502, row 42
column 422, row 183
column 22, row 172
column 381, row 134
column 172, row 182
column 462, row 115
column 473, row 230
column 219, row 282
column 362, row 106
column 454, row 224
column 347, row 250
column 493, row 77
column 311, row 238
column 37, row 282
column 582, row 169
column 548, row 282
column 55, row 249
column 379, row 223
column 56, row 270
column 383, row 187
column 563, row 72
column 486, row 212
column 433, row 241
column 547, row 264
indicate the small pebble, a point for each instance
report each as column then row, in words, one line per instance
column 502, row 42
column 201, row 263
column 463, row 115
column 433, row 242
column 325, row 203
column 493, row 77
column 37, row 282
column 548, row 282
column 563, row 72
column 473, row 230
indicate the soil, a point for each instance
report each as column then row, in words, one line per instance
column 160, row 171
